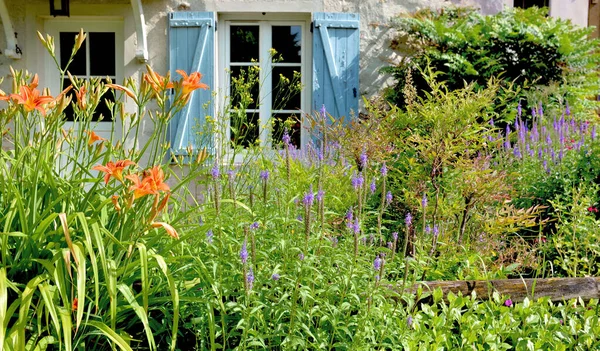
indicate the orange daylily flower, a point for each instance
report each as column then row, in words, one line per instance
column 115, row 201
column 156, row 81
column 191, row 82
column 93, row 137
column 80, row 94
column 151, row 184
column 139, row 187
column 124, row 89
column 31, row 99
column 3, row 95
column 114, row 169
column 170, row 230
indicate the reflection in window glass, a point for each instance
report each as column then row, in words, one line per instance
column 244, row 44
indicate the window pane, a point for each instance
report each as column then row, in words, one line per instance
column 289, row 122
column 67, row 41
column 244, row 44
column 102, row 108
column 244, row 86
column 102, row 54
column 287, row 42
column 244, row 128
column 530, row 3
column 286, row 88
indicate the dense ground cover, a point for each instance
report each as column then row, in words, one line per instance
column 104, row 245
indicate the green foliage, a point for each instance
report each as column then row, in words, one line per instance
column 525, row 49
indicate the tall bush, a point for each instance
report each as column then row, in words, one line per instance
column 537, row 58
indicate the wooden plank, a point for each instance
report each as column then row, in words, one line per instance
column 557, row 289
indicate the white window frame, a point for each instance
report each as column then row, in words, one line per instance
column 263, row 21
column 107, row 24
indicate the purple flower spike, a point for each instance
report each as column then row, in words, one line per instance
column 390, row 245
column 357, row 181
column 395, row 236
column 301, row 256
column 540, row 110
column 250, row 278
column 286, row 137
column 356, row 226
column 264, row 175
column 408, row 219
column 244, row 252
column 593, row 133
column 428, row 229
column 323, row 111
column 409, row 321
column 320, row 195
column 334, row 241
column 388, row 197
column 519, row 110
column 254, row 226
column 209, row 236
column 230, row 174
column 214, row 172
column 424, row 200
column 299, row 218
column 275, row 276
column 436, row 230
column 384, row 170
column 567, row 109
column 377, row 263
column 373, row 187
column 363, row 159
column 309, row 198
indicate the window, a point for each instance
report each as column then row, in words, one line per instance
column 319, row 51
column 265, row 91
column 100, row 56
column 524, row 4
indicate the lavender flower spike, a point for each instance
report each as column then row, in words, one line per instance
column 214, row 172
column 320, row 195
column 384, row 170
column 373, row 187
column 395, row 236
column 408, row 219
column 286, row 137
column 363, row 159
column 377, row 263
column 250, row 278
column 275, row 276
column 424, row 200
column 309, row 198
column 323, row 111
column 244, row 252
column 209, row 236
column 388, row 197
column 264, row 175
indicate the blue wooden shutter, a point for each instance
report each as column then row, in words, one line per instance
column 191, row 48
column 335, row 63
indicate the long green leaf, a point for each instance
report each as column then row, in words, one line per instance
column 50, row 307
column 174, row 298
column 111, row 334
column 144, row 268
column 3, row 305
column 67, row 325
column 141, row 313
column 81, row 278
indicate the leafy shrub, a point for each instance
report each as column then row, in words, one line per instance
column 525, row 49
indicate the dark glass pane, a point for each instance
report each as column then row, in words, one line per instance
column 102, row 108
column 244, row 128
column 102, row 54
column 530, row 3
column 286, row 88
column 287, row 44
column 289, row 122
column 67, row 41
column 244, row 86
column 244, row 44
